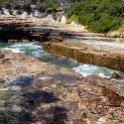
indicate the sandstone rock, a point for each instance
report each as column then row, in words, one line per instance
column 91, row 52
column 116, row 33
column 102, row 120
column 63, row 20
column 6, row 12
column 24, row 15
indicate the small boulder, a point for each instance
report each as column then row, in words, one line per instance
column 1, row 56
column 115, row 75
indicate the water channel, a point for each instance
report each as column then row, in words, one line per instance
column 36, row 50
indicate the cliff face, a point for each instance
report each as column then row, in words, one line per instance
column 13, row 28
column 43, row 29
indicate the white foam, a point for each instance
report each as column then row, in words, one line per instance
column 13, row 50
column 20, row 45
column 87, row 70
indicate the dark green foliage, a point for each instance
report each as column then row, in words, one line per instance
column 26, row 7
column 51, row 5
column 17, row 7
column 4, row 2
column 98, row 15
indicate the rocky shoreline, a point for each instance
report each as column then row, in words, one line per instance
column 58, row 95
column 78, row 43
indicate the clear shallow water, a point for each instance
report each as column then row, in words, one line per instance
column 37, row 51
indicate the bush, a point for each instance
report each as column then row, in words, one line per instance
column 4, row 2
column 26, row 7
column 98, row 15
column 17, row 7
column 104, row 25
column 52, row 5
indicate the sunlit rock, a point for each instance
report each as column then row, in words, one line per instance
column 63, row 20
column 25, row 15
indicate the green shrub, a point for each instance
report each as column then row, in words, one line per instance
column 104, row 25
column 26, row 7
column 4, row 2
column 17, row 7
column 51, row 5
column 98, row 15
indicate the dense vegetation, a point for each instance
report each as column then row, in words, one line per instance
column 98, row 15
column 45, row 4
column 51, row 5
column 4, row 2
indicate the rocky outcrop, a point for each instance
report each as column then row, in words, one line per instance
column 13, row 65
column 57, row 95
column 43, row 29
column 100, row 53
column 117, row 34
column 12, row 28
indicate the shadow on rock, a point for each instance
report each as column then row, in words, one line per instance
column 38, row 97
column 42, row 110
column 52, row 115
column 59, row 115
column 23, row 81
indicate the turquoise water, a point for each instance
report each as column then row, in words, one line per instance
column 35, row 50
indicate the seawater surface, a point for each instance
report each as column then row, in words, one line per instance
column 36, row 50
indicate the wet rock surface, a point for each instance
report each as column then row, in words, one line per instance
column 54, row 95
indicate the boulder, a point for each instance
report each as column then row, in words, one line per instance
column 25, row 15
column 115, row 75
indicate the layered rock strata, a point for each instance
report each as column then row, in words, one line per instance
column 100, row 53
column 37, row 29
